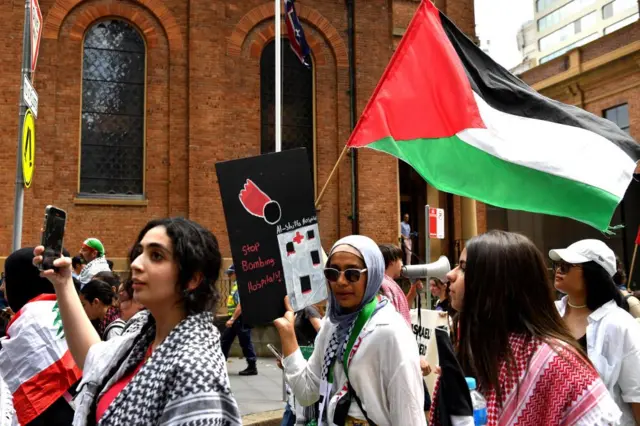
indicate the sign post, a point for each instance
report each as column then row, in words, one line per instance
column 26, row 74
column 434, row 228
column 427, row 252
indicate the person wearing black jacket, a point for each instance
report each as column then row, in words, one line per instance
column 22, row 284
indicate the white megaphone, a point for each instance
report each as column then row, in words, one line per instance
column 438, row 269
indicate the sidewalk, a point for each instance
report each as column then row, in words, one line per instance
column 259, row 397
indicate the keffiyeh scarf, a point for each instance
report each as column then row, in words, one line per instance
column 548, row 386
column 184, row 382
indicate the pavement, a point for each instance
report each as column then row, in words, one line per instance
column 259, row 397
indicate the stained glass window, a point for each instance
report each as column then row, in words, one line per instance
column 113, row 93
column 297, row 101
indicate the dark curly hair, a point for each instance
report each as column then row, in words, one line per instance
column 195, row 251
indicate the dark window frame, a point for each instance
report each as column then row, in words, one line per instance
column 113, row 112
column 301, row 117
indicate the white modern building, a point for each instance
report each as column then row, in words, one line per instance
column 527, row 46
column 562, row 25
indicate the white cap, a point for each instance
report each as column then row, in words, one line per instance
column 585, row 251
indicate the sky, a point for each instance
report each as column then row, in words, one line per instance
column 499, row 22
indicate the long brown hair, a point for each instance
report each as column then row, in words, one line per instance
column 507, row 290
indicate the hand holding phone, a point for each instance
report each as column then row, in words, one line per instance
column 55, row 220
column 275, row 352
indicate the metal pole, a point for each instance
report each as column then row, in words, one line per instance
column 25, row 73
column 427, row 253
column 278, row 105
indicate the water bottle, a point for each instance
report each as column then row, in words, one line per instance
column 478, row 402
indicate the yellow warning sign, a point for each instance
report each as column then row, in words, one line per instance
column 28, row 147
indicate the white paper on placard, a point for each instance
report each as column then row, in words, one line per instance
column 424, row 330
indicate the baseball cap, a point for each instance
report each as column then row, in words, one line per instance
column 585, row 251
column 230, row 270
column 94, row 244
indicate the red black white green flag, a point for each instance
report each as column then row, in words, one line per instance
column 471, row 128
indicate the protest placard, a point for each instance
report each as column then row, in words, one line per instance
column 273, row 232
column 423, row 325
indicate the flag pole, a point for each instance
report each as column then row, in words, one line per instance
column 335, row 167
column 278, row 106
column 633, row 265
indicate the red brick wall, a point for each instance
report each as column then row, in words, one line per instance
column 202, row 107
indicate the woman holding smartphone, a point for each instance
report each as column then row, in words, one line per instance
column 167, row 367
column 365, row 365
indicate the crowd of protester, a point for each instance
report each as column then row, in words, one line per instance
column 144, row 350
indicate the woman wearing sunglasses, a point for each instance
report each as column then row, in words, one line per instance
column 594, row 310
column 365, row 366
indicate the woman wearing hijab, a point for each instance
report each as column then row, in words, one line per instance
column 365, row 366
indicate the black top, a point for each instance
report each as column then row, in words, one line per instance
column 443, row 305
column 583, row 342
column 305, row 333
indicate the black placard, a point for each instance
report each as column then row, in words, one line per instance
column 269, row 210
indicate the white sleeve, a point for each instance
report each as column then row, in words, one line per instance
column 629, row 378
column 304, row 376
column 405, row 389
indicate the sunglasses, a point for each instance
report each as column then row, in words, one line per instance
column 563, row 267
column 351, row 275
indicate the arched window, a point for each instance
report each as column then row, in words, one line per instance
column 113, row 94
column 297, row 102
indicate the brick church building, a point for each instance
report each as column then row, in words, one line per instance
column 139, row 99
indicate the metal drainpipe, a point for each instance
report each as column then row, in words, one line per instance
column 355, row 228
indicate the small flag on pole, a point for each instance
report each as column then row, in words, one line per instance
column 296, row 34
column 638, row 237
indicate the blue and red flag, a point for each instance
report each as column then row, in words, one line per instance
column 296, row 34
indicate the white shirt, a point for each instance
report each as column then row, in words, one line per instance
column 613, row 346
column 385, row 372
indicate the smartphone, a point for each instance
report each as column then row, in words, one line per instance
column 274, row 351
column 55, row 220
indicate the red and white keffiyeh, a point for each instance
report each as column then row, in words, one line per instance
column 549, row 386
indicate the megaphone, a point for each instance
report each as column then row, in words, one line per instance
column 438, row 269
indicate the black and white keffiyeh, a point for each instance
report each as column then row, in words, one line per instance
column 183, row 383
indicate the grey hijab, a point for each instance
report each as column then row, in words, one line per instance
column 374, row 263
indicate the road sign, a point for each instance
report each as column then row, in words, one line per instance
column 436, row 223
column 36, row 32
column 30, row 96
column 28, row 147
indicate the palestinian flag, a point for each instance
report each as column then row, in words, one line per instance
column 35, row 361
column 471, row 128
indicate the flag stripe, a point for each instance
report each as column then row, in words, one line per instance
column 535, row 144
column 41, row 298
column 424, row 91
column 454, row 166
column 505, row 92
column 49, row 385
